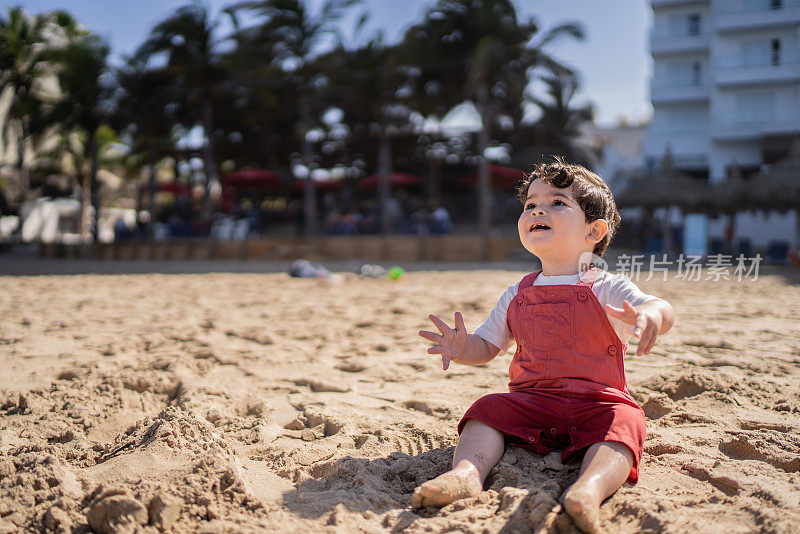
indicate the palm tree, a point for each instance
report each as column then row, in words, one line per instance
column 363, row 83
column 188, row 38
column 480, row 51
column 560, row 122
column 25, row 42
column 81, row 66
column 261, row 105
column 70, row 154
column 291, row 34
column 144, row 115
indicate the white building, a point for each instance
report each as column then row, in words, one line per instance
column 619, row 148
column 725, row 91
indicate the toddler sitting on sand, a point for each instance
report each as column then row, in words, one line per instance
column 571, row 325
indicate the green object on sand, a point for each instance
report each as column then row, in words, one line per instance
column 395, row 273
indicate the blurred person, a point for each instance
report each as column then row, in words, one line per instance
column 419, row 221
column 331, row 222
column 440, row 221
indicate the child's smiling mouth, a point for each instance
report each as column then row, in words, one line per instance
column 538, row 227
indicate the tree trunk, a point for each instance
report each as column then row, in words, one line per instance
column 434, row 181
column 24, row 184
column 309, row 189
column 91, row 145
column 384, row 177
column 797, row 227
column 86, row 201
column 484, row 180
column 151, row 195
column 208, row 155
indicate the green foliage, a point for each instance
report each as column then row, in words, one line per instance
column 463, row 45
column 560, row 122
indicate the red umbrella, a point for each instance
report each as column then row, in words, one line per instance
column 323, row 185
column 177, row 189
column 502, row 177
column 396, row 179
column 252, row 178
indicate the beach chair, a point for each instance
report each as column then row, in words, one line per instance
column 744, row 247
column 776, row 253
column 716, row 245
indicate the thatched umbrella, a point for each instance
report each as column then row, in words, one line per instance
column 777, row 188
column 731, row 195
column 666, row 187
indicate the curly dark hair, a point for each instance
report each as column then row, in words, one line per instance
column 590, row 191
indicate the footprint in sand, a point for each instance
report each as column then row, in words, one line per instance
column 350, row 367
column 762, row 448
column 319, row 386
column 658, row 406
column 67, row 375
column 758, row 425
column 725, row 484
column 680, row 385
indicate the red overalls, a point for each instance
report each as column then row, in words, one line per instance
column 567, row 378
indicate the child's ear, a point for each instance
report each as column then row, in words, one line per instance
column 597, row 230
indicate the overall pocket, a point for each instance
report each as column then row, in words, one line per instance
column 552, row 324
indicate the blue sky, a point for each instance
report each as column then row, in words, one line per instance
column 613, row 60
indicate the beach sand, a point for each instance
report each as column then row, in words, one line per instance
column 258, row 402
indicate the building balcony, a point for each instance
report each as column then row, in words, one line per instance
column 689, row 149
column 737, row 16
column 738, row 73
column 738, row 129
column 676, row 3
column 665, row 93
column 662, row 43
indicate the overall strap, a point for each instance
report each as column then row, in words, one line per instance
column 527, row 281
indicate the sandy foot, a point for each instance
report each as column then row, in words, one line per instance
column 584, row 508
column 447, row 488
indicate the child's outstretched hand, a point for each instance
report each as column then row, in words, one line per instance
column 452, row 341
column 646, row 322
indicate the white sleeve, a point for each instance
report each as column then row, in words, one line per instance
column 495, row 329
column 622, row 288
column 615, row 289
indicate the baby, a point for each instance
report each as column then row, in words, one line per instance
column 571, row 325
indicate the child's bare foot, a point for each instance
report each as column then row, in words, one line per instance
column 449, row 487
column 583, row 505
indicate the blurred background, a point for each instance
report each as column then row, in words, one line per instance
column 211, row 129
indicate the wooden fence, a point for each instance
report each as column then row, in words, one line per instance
column 366, row 248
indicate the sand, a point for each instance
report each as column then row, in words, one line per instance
column 258, row 402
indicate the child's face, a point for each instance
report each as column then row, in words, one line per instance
column 553, row 226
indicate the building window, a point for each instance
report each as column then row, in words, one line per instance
column 775, row 52
column 693, row 24
column 762, row 5
column 683, row 73
column 755, row 53
column 755, row 107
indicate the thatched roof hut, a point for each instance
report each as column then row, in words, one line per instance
column 667, row 187
column 731, row 195
column 776, row 187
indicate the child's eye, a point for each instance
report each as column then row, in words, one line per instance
column 529, row 206
column 559, row 202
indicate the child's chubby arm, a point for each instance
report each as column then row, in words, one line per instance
column 650, row 319
column 456, row 345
